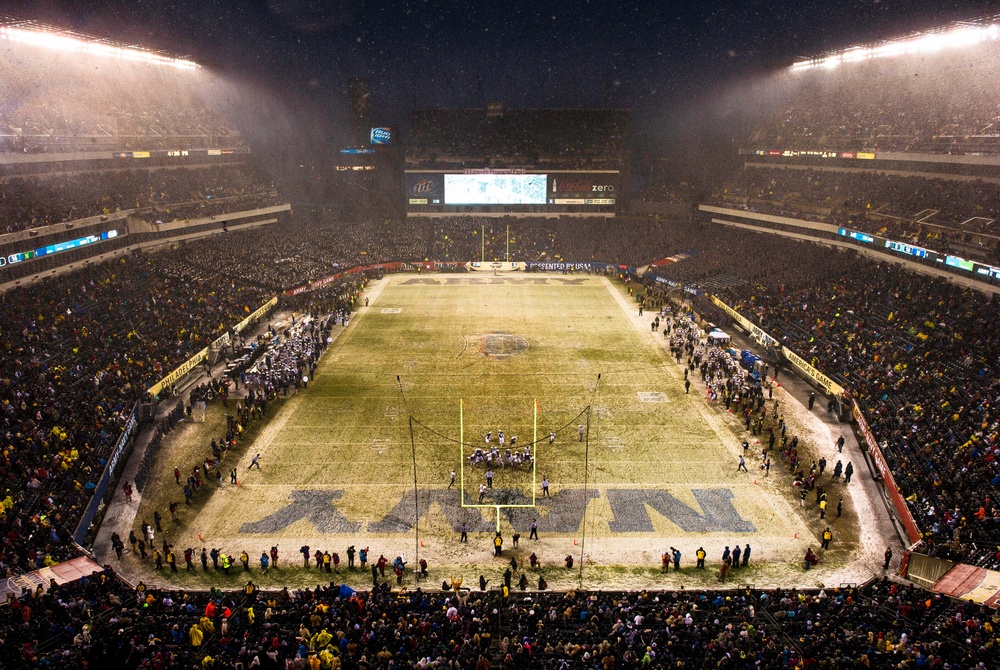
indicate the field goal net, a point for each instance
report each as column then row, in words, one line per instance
column 500, row 470
column 494, row 472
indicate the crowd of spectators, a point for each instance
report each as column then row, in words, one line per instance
column 671, row 192
column 941, row 103
column 101, row 622
column 632, row 241
column 939, row 213
column 77, row 352
column 41, row 200
column 87, row 333
column 71, row 104
column 550, row 138
column 283, row 257
column 917, row 355
column 291, row 255
column 471, row 238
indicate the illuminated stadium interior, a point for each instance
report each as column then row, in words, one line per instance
column 262, row 300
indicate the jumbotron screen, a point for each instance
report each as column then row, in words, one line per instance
column 554, row 191
column 495, row 189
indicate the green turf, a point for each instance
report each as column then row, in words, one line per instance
column 348, row 433
column 433, row 344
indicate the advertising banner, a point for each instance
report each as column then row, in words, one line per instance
column 578, row 267
column 912, row 533
column 830, row 386
column 583, row 189
column 181, row 370
column 121, row 447
column 264, row 309
column 425, row 189
column 756, row 332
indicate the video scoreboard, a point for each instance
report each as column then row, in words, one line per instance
column 511, row 192
column 988, row 271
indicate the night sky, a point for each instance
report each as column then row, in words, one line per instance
column 658, row 58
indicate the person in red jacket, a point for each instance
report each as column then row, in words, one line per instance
column 382, row 562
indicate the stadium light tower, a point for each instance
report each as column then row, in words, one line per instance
column 955, row 36
column 53, row 39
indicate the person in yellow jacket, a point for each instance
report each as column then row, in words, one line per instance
column 196, row 635
column 321, row 639
column 207, row 625
column 225, row 563
column 250, row 615
column 325, row 659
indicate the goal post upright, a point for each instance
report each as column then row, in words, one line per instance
column 534, row 466
column 534, row 452
column 461, row 445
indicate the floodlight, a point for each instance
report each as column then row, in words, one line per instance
column 956, row 37
column 66, row 43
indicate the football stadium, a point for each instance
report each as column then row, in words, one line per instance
column 381, row 377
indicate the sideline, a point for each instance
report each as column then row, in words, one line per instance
column 876, row 530
column 120, row 515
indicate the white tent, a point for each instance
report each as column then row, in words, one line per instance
column 717, row 336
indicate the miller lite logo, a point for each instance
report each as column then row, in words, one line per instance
column 424, row 186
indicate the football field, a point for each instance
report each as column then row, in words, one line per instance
column 338, row 458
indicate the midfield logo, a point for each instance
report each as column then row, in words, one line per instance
column 562, row 513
